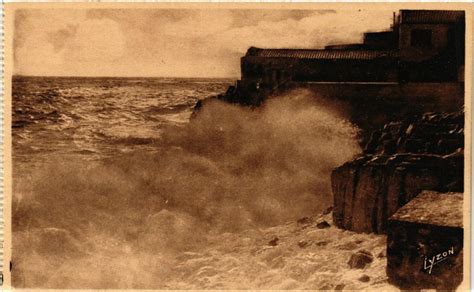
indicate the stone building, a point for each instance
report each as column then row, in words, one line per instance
column 421, row 46
column 415, row 67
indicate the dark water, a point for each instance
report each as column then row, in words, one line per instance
column 113, row 187
column 97, row 117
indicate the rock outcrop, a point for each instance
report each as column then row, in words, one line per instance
column 360, row 259
column 322, row 224
column 431, row 134
column 398, row 163
column 425, row 243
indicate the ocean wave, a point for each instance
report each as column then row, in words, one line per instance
column 232, row 170
column 73, row 110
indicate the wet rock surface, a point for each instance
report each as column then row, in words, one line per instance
column 303, row 243
column 432, row 208
column 304, row 221
column 425, row 243
column 360, row 259
column 371, row 188
column 328, row 210
column 339, row 287
column 273, row 241
column 432, row 133
column 364, row 278
column 322, row 224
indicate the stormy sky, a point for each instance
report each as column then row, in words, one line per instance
column 172, row 42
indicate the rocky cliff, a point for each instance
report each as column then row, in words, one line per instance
column 425, row 243
column 399, row 161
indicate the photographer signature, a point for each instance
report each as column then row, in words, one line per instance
column 429, row 263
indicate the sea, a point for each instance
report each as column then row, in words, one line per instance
column 96, row 117
column 116, row 186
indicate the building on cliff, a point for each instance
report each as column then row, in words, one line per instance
column 422, row 46
column 417, row 66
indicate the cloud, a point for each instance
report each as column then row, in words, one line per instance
column 312, row 31
column 165, row 42
column 65, row 43
column 96, row 41
column 60, row 37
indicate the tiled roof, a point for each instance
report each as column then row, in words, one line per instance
column 431, row 16
column 321, row 54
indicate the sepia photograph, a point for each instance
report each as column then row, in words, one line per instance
column 251, row 146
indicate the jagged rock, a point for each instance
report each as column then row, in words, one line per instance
column 321, row 243
column 433, row 133
column 339, row 287
column 274, row 241
column 382, row 254
column 369, row 190
column 348, row 246
column 303, row 243
column 322, row 224
column 360, row 259
column 428, row 228
column 364, row 278
column 328, row 210
column 304, row 221
column 373, row 187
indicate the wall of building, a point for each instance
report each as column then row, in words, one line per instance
column 439, row 41
column 441, row 96
column 272, row 71
column 384, row 40
column 267, row 71
column 371, row 105
column 430, row 45
column 440, row 61
column 341, row 70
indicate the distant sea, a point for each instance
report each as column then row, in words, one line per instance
column 98, row 117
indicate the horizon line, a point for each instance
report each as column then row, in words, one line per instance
column 104, row 76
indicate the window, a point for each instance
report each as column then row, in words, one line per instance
column 421, row 38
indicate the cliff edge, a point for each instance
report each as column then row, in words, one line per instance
column 400, row 161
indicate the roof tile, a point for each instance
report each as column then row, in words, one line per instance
column 323, row 54
column 431, row 16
